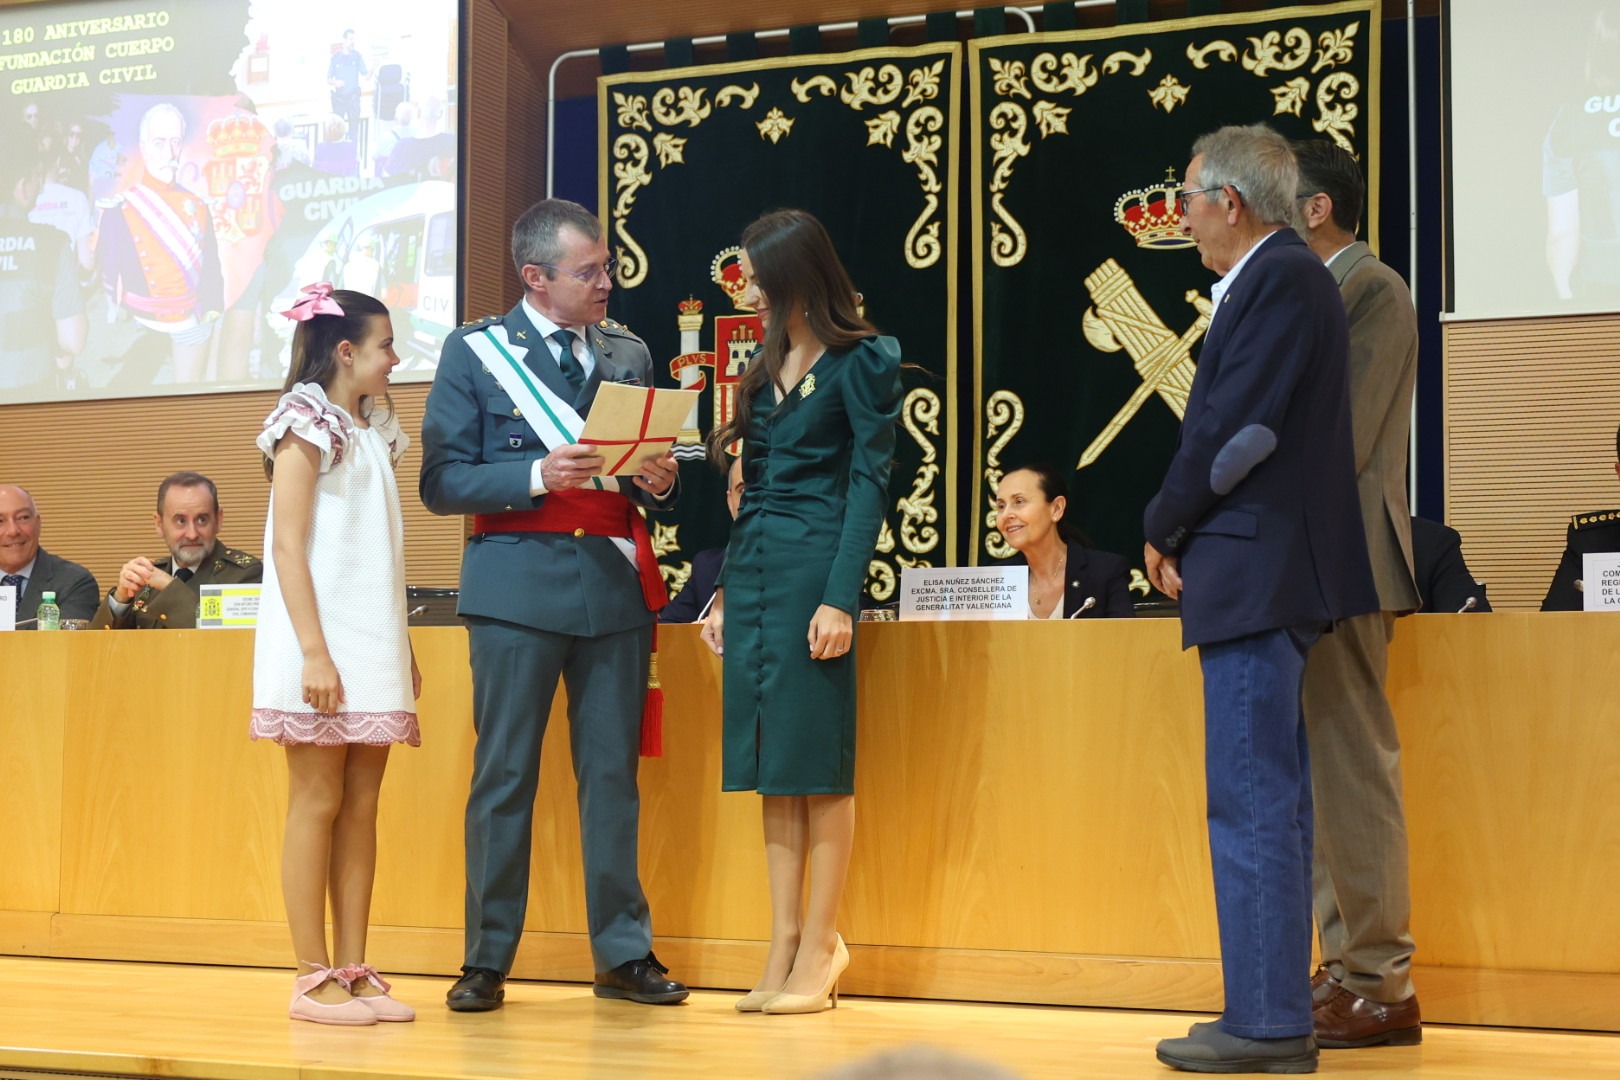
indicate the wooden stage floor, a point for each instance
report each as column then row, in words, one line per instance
column 126, row 1019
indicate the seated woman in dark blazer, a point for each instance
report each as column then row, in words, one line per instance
column 1063, row 572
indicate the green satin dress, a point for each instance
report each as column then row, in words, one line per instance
column 816, row 470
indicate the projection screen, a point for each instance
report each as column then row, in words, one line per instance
column 205, row 159
column 1533, row 104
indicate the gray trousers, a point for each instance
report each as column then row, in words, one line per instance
column 1359, row 877
column 515, row 671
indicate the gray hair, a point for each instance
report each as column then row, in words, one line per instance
column 24, row 492
column 534, row 236
column 162, row 108
column 1257, row 161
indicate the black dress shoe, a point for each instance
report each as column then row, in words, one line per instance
column 478, row 990
column 640, row 980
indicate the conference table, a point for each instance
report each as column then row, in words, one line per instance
column 1029, row 815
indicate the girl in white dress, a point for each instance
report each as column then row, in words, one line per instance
column 334, row 680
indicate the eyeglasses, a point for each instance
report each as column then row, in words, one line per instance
column 1182, row 197
column 587, row 276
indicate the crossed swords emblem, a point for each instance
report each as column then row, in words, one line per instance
column 1120, row 318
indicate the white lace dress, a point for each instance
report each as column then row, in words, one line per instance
column 356, row 555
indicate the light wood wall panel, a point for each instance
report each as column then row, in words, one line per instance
column 486, row 226
column 1531, row 408
column 94, row 470
column 525, row 149
column 31, row 780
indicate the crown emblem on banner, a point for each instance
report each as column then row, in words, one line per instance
column 689, row 306
column 238, row 135
column 726, row 270
column 1151, row 216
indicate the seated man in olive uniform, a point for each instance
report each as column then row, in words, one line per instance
column 1591, row 533
column 163, row 594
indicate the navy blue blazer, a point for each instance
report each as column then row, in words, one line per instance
column 1259, row 502
column 1443, row 579
column 1100, row 575
column 699, row 588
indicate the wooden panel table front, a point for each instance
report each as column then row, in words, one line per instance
column 1030, row 815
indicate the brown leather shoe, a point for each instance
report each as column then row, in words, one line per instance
column 1322, row 986
column 1346, row 1021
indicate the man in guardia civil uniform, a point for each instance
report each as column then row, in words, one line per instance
column 162, row 594
column 558, row 580
column 37, row 274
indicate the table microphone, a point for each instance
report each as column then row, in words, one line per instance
column 1091, row 602
column 1469, row 604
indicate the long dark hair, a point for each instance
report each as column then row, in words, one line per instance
column 1054, row 486
column 315, row 344
column 797, row 270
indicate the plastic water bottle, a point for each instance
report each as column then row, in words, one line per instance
column 50, row 616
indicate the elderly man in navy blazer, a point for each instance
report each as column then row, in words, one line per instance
column 1257, row 530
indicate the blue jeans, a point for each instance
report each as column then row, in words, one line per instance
column 1257, row 772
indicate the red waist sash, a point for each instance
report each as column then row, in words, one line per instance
column 588, row 512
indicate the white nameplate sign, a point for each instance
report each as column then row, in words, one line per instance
column 8, row 607
column 964, row 592
column 1600, row 579
column 228, row 607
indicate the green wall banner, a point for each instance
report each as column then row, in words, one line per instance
column 866, row 141
column 1089, row 303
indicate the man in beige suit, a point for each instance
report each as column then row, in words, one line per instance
column 1362, row 995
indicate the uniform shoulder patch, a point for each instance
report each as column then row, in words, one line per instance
column 614, row 324
column 485, row 321
column 1594, row 518
column 240, row 558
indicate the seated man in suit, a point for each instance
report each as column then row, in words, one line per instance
column 1444, row 581
column 1589, row 534
column 163, row 594
column 35, row 571
column 692, row 602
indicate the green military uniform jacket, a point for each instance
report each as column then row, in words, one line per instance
column 175, row 607
column 1593, row 533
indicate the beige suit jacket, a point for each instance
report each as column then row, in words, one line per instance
column 1383, row 375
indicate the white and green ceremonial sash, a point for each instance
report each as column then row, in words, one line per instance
column 552, row 418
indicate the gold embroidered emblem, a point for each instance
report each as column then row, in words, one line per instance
column 1121, row 318
column 522, row 335
column 808, row 387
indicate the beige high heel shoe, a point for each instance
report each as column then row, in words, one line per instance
column 825, row 998
column 754, row 1000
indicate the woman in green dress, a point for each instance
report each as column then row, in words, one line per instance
column 815, row 412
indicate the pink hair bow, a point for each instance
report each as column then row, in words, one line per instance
column 312, row 301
